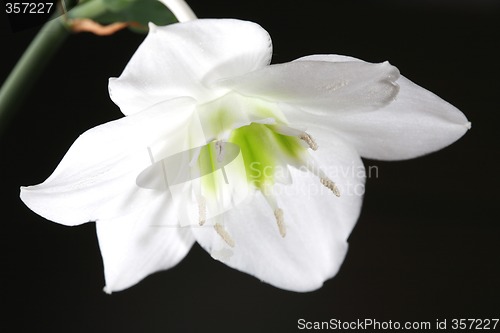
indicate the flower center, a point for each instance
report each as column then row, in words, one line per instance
column 257, row 133
column 266, row 153
column 249, row 146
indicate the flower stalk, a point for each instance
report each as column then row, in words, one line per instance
column 45, row 45
column 29, row 67
column 180, row 9
column 38, row 54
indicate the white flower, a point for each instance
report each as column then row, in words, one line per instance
column 204, row 90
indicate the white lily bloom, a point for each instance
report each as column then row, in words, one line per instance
column 258, row 163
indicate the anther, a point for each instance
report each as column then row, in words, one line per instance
column 323, row 178
column 309, row 140
column 219, row 147
column 330, row 185
column 278, row 214
column 202, row 211
column 224, row 234
column 304, row 136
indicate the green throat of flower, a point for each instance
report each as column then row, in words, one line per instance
column 264, row 151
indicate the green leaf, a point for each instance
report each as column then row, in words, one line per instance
column 118, row 5
column 140, row 12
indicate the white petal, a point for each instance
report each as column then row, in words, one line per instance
column 317, row 225
column 321, row 86
column 96, row 179
column 417, row 122
column 181, row 59
column 221, row 116
column 139, row 244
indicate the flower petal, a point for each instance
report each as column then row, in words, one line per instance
column 321, row 86
column 221, row 116
column 139, row 244
column 317, row 225
column 417, row 122
column 181, row 59
column 96, row 179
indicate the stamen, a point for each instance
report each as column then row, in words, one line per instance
column 151, row 156
column 309, row 140
column 219, row 147
column 330, row 185
column 278, row 213
column 202, row 211
column 224, row 234
column 195, row 157
column 304, row 136
column 323, row 178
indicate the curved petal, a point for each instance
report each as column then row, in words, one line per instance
column 317, row 225
column 96, row 179
column 144, row 242
column 417, row 122
column 182, row 59
column 321, row 86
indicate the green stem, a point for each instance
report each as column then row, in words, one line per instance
column 29, row 67
column 90, row 9
column 37, row 56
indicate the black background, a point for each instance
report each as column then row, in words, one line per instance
column 426, row 246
